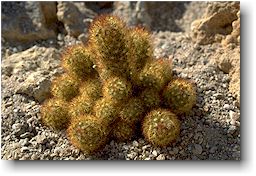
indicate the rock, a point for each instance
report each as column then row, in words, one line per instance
column 197, row 149
column 19, row 129
column 33, row 59
column 135, row 143
column 234, row 37
column 83, row 38
column 75, row 17
column 133, row 13
column 154, row 153
column 234, row 85
column 226, row 106
column 26, row 135
column 36, row 85
column 160, row 157
column 228, row 60
column 213, row 149
column 216, row 22
column 49, row 10
column 27, row 21
column 33, row 70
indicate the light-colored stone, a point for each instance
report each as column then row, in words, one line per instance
column 216, row 22
column 36, row 85
column 133, row 13
column 154, row 153
column 160, row 157
column 74, row 16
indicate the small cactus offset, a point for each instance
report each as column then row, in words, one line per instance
column 114, row 87
column 65, row 87
column 117, row 88
column 77, row 61
column 55, row 114
column 180, row 95
column 87, row 133
column 161, row 127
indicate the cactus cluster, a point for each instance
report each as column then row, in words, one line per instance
column 114, row 88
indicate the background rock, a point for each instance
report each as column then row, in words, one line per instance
column 75, row 17
column 28, row 21
column 234, row 37
column 133, row 13
column 216, row 22
column 30, row 72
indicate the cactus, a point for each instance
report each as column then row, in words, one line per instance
column 161, row 127
column 123, row 131
column 77, row 61
column 108, row 41
column 133, row 111
column 111, row 84
column 151, row 98
column 87, row 133
column 81, row 105
column 55, row 114
column 107, row 110
column 156, row 74
column 65, row 87
column 92, row 88
column 180, row 95
column 117, row 88
column 140, row 51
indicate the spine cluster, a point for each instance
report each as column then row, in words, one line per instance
column 114, row 88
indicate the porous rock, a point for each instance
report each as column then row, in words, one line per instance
column 216, row 22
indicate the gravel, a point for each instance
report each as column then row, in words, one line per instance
column 210, row 132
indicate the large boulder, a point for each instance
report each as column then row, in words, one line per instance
column 28, row 21
column 30, row 72
column 75, row 17
column 216, row 23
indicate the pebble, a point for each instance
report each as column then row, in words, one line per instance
column 197, row 149
column 231, row 129
column 132, row 155
column 175, row 150
column 25, row 135
column 154, row 153
column 24, row 149
column 226, row 106
column 160, row 157
column 135, row 144
column 213, row 149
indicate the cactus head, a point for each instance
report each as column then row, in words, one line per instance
column 77, row 61
column 65, row 87
column 108, row 40
column 140, row 51
column 150, row 98
column 81, row 105
column 161, row 127
column 92, row 88
column 55, row 114
column 87, row 133
column 156, row 73
column 117, row 88
column 106, row 110
column 180, row 95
